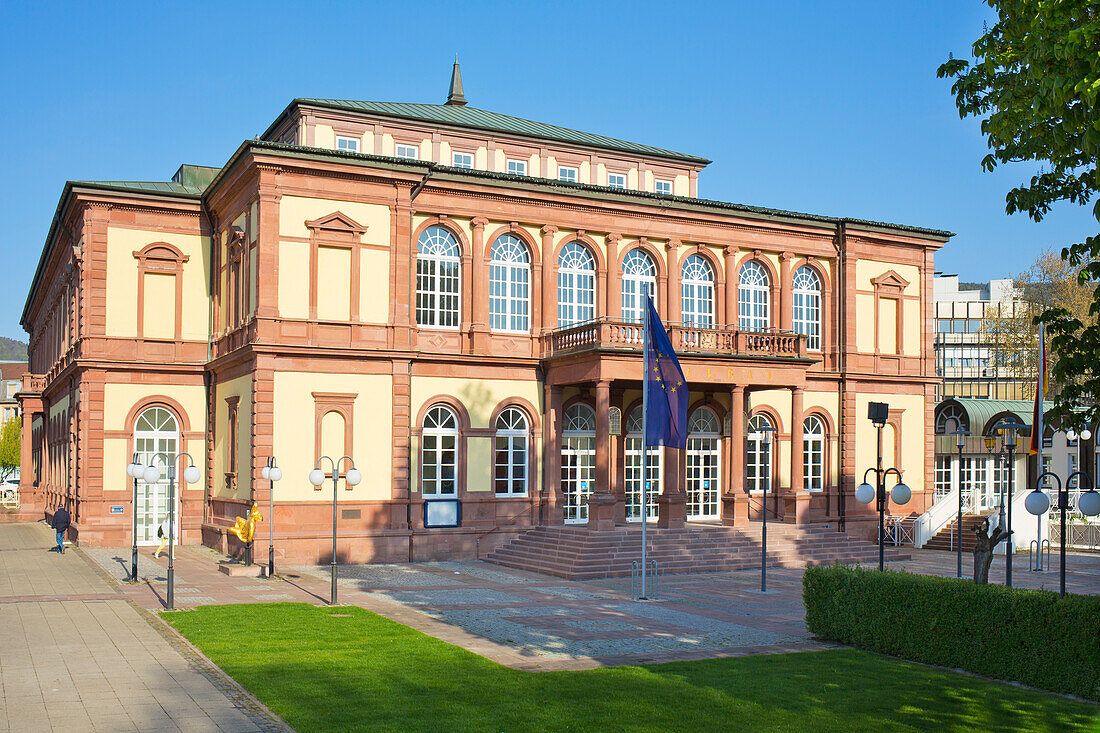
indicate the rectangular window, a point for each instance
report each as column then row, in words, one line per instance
column 463, row 160
column 407, row 151
column 349, row 144
column 973, row 325
column 664, row 187
column 616, row 180
column 566, row 173
column 943, row 325
column 517, row 167
column 958, row 326
column 943, row 475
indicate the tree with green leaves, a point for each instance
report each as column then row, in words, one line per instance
column 1035, row 84
column 9, row 447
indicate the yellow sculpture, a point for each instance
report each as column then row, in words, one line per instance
column 245, row 528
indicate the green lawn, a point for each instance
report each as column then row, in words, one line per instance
column 338, row 669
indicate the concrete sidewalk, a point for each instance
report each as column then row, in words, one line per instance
column 77, row 655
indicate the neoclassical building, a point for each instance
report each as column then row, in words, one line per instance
column 452, row 297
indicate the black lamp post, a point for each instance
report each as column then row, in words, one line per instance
column 960, row 443
column 1088, row 504
column 1008, row 432
column 133, row 471
column 351, row 478
column 878, row 413
column 766, row 443
column 272, row 473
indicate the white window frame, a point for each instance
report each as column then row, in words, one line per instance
column 806, row 306
column 659, row 183
column 353, row 141
column 758, row 454
column 440, row 423
column 576, row 285
column 697, row 292
column 704, row 442
column 512, row 428
column 409, row 152
column 578, row 461
column 639, row 278
column 753, row 297
column 438, row 279
column 463, row 163
column 569, row 174
column 619, row 178
column 509, row 285
column 515, row 167
column 813, row 453
column 632, row 470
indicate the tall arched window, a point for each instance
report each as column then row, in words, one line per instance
column 576, row 285
column 632, row 454
column 437, row 278
column 697, row 293
column 813, row 453
column 510, row 464
column 156, row 431
column 950, row 418
column 753, row 297
column 639, row 279
column 758, row 457
column 439, row 455
column 509, row 279
column 806, row 304
column 703, row 461
column 578, row 461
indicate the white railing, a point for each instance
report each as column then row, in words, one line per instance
column 9, row 497
column 945, row 509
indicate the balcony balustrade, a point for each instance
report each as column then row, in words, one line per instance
column 604, row 333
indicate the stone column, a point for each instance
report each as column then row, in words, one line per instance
column 601, row 503
column 735, row 507
column 613, row 297
column 731, row 253
column 672, row 249
column 479, row 291
column 549, row 281
column 551, row 480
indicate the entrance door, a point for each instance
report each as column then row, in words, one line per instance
column 632, row 456
column 156, row 432
column 578, row 462
column 702, row 465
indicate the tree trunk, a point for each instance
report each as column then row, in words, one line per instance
column 983, row 550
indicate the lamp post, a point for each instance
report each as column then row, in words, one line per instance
column 133, row 470
column 766, row 443
column 351, row 478
column 878, row 413
column 272, row 473
column 151, row 475
column 960, row 443
column 1008, row 433
column 1088, row 504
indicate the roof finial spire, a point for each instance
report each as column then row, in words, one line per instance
column 454, row 96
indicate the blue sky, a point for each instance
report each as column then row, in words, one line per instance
column 830, row 108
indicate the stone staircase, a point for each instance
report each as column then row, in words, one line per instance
column 578, row 553
column 945, row 538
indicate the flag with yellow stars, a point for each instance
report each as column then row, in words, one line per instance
column 667, row 406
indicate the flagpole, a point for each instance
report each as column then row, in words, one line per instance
column 645, row 442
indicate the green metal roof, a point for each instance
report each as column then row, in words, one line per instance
column 980, row 412
column 481, row 119
column 144, row 187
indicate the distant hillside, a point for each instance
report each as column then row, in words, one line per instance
column 12, row 350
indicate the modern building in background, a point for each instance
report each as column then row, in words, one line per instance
column 967, row 340
column 11, row 381
column 452, row 297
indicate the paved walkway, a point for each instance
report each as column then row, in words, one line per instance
column 77, row 655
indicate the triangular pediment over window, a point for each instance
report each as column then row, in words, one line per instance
column 890, row 280
column 337, row 221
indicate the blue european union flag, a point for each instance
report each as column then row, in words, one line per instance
column 667, row 406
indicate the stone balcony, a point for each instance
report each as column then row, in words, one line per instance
column 611, row 335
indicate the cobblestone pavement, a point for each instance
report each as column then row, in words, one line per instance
column 77, row 655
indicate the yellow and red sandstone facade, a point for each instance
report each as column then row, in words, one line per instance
column 464, row 327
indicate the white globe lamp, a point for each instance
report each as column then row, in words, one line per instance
column 191, row 474
column 865, row 493
column 1089, row 503
column 275, row 473
column 354, row 477
column 901, row 494
column 1037, row 503
column 316, row 477
column 151, row 474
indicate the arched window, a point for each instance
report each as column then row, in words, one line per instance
column 697, row 293
column 951, row 417
column 703, row 461
column 509, row 278
column 753, row 297
column 813, row 453
column 632, row 454
column 156, row 435
column 510, row 464
column 437, row 278
column 639, row 280
column 439, row 461
column 576, row 285
column 578, row 461
column 758, row 457
column 806, row 304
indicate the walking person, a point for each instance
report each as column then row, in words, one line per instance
column 60, row 523
column 162, row 533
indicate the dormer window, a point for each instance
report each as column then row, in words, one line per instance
column 349, row 144
column 568, row 174
column 517, row 167
column 616, row 180
column 463, row 160
column 664, row 187
column 407, row 151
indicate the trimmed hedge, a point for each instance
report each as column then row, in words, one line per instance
column 1026, row 636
